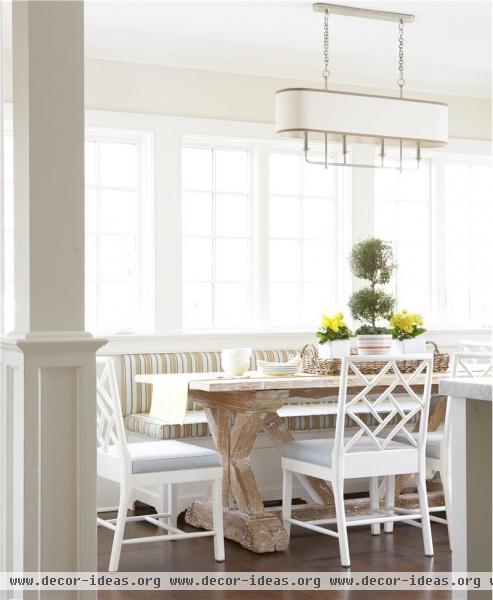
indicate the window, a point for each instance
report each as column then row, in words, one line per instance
column 403, row 216
column 439, row 220
column 251, row 237
column 302, row 240
column 8, row 233
column 467, row 217
column 118, row 279
column 216, row 241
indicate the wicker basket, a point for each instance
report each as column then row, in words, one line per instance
column 332, row 366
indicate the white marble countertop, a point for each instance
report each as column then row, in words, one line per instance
column 475, row 389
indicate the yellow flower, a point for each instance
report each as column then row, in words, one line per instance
column 405, row 321
column 333, row 323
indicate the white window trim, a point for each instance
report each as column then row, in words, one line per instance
column 145, row 245
column 440, row 160
column 260, row 149
column 208, row 142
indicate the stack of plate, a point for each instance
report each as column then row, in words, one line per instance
column 278, row 369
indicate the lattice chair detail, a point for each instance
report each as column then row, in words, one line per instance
column 382, row 449
column 160, row 463
column 381, row 443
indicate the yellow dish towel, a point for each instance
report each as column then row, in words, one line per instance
column 170, row 396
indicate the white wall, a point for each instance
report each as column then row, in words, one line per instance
column 155, row 89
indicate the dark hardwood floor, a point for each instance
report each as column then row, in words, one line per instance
column 400, row 551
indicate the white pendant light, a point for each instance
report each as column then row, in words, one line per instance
column 330, row 115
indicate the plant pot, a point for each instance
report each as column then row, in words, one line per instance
column 335, row 349
column 415, row 345
column 374, row 344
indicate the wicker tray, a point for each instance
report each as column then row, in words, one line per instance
column 332, row 366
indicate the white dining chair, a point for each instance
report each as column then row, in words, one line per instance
column 362, row 450
column 163, row 463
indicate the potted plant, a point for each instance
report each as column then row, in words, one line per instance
column 372, row 260
column 334, row 337
column 407, row 332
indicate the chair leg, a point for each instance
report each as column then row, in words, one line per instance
column 172, row 508
column 389, row 501
column 287, row 497
column 120, row 527
column 338, row 489
column 447, row 494
column 217, row 519
column 425, row 513
column 374, row 503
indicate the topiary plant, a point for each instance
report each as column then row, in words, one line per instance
column 373, row 260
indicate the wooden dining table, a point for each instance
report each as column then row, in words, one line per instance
column 237, row 411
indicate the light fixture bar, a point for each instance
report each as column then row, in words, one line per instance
column 365, row 13
column 325, row 163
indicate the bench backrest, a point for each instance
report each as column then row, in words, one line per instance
column 136, row 398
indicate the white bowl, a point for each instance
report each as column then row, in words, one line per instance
column 236, row 361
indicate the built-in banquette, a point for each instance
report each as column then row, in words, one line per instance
column 136, row 404
column 303, row 418
column 136, row 397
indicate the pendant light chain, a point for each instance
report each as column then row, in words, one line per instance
column 401, row 81
column 326, row 72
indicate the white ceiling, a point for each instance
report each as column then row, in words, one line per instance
column 447, row 49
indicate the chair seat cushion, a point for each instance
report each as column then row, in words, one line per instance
column 170, row 455
column 319, row 452
column 433, row 441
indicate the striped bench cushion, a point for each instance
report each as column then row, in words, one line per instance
column 196, row 427
column 136, row 398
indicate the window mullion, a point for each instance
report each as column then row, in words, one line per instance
column 261, row 216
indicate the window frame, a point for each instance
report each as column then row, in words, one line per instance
column 261, row 148
column 477, row 156
column 144, row 242
column 164, row 229
column 340, row 198
column 431, row 257
column 205, row 143
column 472, row 152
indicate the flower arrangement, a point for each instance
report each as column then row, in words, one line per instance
column 333, row 328
column 405, row 325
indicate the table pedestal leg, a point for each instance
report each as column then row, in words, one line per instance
column 250, row 524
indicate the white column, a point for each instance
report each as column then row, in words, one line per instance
column 48, row 393
column 48, row 100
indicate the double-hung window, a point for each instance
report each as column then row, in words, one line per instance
column 216, row 236
column 465, row 228
column 302, row 240
column 403, row 216
column 118, row 278
column 439, row 220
